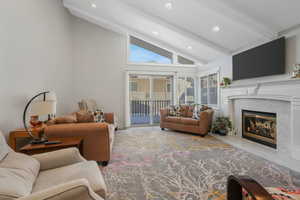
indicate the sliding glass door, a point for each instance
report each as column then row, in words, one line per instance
column 147, row 95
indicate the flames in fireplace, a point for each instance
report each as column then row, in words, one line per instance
column 260, row 127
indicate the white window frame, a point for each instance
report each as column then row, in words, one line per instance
column 207, row 74
column 174, row 59
column 195, row 88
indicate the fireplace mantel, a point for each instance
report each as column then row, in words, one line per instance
column 287, row 91
column 288, row 81
column 292, row 99
column 294, row 103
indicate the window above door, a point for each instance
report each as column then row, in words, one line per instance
column 142, row 52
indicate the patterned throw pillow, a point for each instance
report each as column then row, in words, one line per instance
column 183, row 110
column 204, row 108
column 172, row 110
column 190, row 111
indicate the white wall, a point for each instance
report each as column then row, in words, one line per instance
column 292, row 57
column 100, row 67
column 35, row 55
column 99, row 58
column 43, row 47
column 225, row 65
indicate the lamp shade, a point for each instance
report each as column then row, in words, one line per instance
column 43, row 108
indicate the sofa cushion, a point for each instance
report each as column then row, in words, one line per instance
column 4, row 149
column 173, row 119
column 190, row 111
column 184, row 110
column 189, row 121
column 18, row 174
column 84, row 117
column 72, row 118
column 88, row 170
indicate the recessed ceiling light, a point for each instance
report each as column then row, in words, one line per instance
column 216, row 29
column 189, row 47
column 94, row 5
column 169, row 5
column 155, row 33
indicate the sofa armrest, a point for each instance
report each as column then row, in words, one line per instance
column 236, row 184
column 109, row 118
column 164, row 113
column 59, row 158
column 73, row 190
column 204, row 121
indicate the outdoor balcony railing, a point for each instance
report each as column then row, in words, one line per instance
column 142, row 111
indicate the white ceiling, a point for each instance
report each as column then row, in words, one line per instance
column 243, row 23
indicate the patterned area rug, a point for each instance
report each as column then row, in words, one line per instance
column 151, row 164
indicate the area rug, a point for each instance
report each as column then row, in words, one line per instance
column 150, row 164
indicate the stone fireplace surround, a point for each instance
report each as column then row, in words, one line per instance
column 280, row 97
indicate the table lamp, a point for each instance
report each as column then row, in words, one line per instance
column 44, row 107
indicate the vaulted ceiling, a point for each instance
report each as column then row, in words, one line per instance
column 186, row 26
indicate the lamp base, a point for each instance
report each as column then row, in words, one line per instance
column 38, row 141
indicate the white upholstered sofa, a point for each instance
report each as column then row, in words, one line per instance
column 58, row 175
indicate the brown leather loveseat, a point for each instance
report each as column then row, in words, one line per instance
column 98, row 137
column 185, row 122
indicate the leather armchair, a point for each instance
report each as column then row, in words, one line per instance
column 98, row 138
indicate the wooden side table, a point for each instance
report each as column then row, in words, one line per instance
column 31, row 149
column 17, row 134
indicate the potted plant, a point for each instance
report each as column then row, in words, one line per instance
column 222, row 125
column 225, row 82
column 296, row 72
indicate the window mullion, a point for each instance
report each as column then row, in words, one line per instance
column 208, row 91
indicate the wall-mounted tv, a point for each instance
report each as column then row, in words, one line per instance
column 265, row 60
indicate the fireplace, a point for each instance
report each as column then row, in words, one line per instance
column 260, row 127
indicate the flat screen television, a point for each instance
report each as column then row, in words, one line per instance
column 265, row 60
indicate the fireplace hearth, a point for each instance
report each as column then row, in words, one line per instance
column 260, row 127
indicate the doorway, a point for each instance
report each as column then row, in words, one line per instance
column 148, row 94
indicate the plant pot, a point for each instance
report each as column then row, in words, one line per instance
column 223, row 132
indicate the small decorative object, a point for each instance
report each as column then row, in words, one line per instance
column 296, row 72
column 221, row 126
column 225, row 82
column 45, row 107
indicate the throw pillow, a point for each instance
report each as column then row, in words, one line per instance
column 172, row 110
column 183, row 110
column 4, row 149
column 190, row 111
column 84, row 117
column 66, row 119
column 204, row 107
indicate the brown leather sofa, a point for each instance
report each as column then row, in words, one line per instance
column 98, row 137
column 185, row 122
